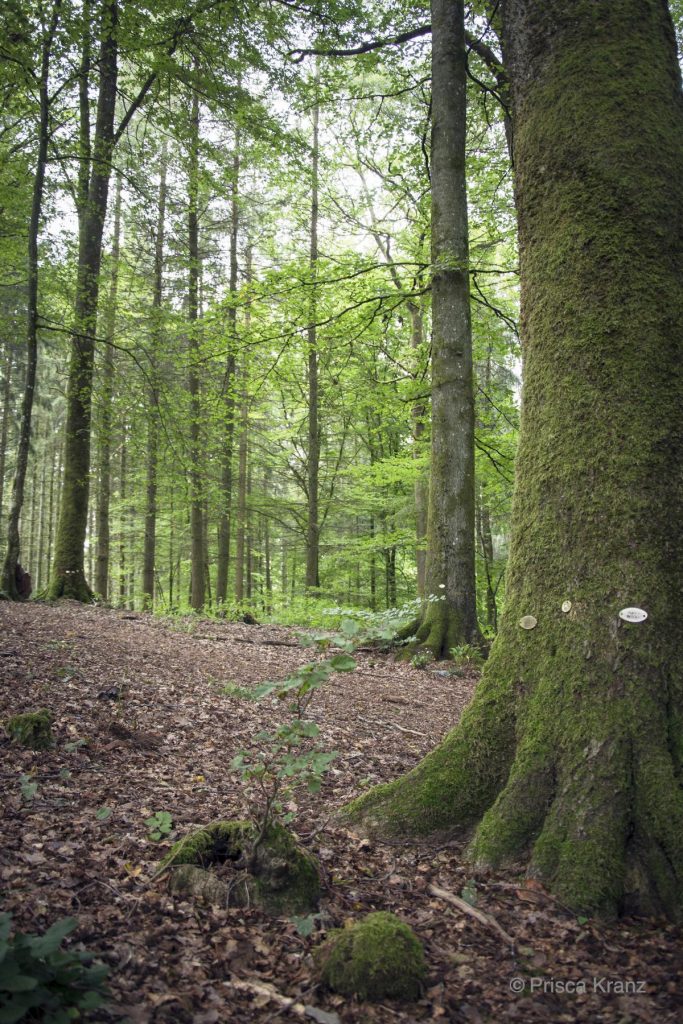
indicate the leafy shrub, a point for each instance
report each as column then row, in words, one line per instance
column 40, row 981
column 467, row 656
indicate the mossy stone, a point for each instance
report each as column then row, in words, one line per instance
column 32, row 730
column 377, row 958
column 284, row 881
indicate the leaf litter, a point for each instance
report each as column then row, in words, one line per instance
column 143, row 732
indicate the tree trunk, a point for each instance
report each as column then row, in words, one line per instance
column 68, row 578
column 123, row 469
column 13, row 552
column 105, row 417
column 571, row 754
column 4, row 424
column 196, row 498
column 149, row 552
column 313, row 454
column 229, row 390
column 450, row 616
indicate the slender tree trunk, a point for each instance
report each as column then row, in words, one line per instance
column 196, row 497
column 149, row 555
column 571, row 754
column 105, row 417
column 13, row 552
column 313, row 524
column 68, row 578
column 54, row 470
column 240, row 549
column 229, row 390
column 450, row 563
column 4, row 424
column 418, row 414
column 123, row 516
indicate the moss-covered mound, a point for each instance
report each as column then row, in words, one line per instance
column 284, row 879
column 377, row 958
column 32, row 730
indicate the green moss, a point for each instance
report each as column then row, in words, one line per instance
column 32, row 730
column 377, row 958
column 284, row 881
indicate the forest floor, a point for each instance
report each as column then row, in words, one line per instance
column 167, row 743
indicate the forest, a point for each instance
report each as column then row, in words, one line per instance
column 341, row 464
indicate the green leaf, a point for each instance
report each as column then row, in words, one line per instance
column 17, row 982
column 50, row 942
column 350, row 628
column 304, row 925
column 342, row 663
column 103, row 813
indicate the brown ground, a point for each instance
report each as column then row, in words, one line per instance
column 167, row 745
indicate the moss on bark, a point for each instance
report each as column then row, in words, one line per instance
column 582, row 750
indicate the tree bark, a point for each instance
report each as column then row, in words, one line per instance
column 68, row 578
column 450, row 615
column 13, row 552
column 229, row 389
column 4, row 424
column 105, row 417
column 149, row 552
column 571, row 754
column 313, row 454
column 198, row 584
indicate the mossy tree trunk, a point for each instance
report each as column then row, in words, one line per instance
column 68, row 577
column 450, row 615
column 571, row 754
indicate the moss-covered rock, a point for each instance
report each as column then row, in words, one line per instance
column 283, row 880
column 32, row 730
column 377, row 958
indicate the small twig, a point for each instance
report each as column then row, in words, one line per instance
column 478, row 915
column 392, row 725
column 269, row 992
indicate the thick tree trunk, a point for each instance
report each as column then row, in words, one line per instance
column 68, row 578
column 313, row 453
column 149, row 552
column 13, row 552
column 572, row 750
column 450, row 615
column 105, row 417
column 196, row 499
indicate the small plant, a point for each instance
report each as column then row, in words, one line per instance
column 28, row 788
column 467, row 656
column 234, row 690
column 103, row 813
column 160, row 824
column 40, row 981
column 288, row 757
column 31, row 730
column 422, row 659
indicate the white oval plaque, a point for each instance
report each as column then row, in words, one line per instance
column 566, row 606
column 528, row 622
column 632, row 615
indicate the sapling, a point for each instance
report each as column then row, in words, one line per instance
column 289, row 757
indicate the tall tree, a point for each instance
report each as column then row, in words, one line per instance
column 572, row 752
column 198, row 584
column 105, row 410
column 450, row 617
column 313, row 448
column 9, row 582
column 68, row 578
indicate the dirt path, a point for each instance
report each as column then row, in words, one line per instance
column 145, row 695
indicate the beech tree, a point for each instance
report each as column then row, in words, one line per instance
column 571, row 754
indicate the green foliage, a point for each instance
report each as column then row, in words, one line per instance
column 288, row 757
column 422, row 659
column 40, row 981
column 467, row 656
column 160, row 825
